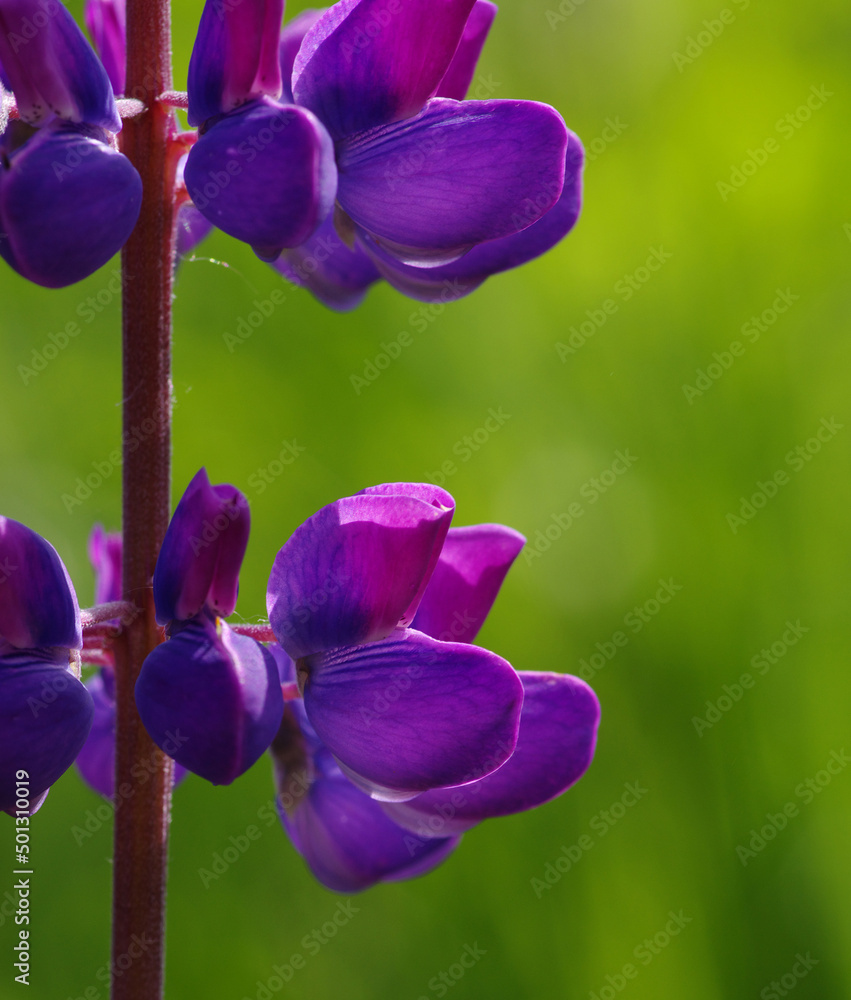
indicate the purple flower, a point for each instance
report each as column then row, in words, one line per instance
column 96, row 760
column 106, row 21
column 347, row 840
column 220, row 690
column 68, row 198
column 45, row 712
column 338, row 273
column 262, row 171
column 400, row 712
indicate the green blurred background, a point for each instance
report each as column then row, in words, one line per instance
column 667, row 132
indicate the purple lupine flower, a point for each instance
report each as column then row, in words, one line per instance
column 347, row 840
column 261, row 170
column 68, row 198
column 96, row 760
column 45, row 711
column 107, row 24
column 218, row 689
column 338, row 273
column 400, row 712
column 560, row 715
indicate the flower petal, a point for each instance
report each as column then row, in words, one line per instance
column 105, row 556
column 466, row 580
column 68, row 202
column 264, row 174
column 211, row 699
column 38, row 606
column 51, row 66
column 555, row 745
column 106, row 21
column 408, row 713
column 235, row 56
column 459, row 173
column 202, row 552
column 292, row 35
column 45, row 716
column 457, row 78
column 454, row 280
column 367, row 63
column 354, row 570
column 336, row 275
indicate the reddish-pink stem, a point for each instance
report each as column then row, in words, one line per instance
column 143, row 806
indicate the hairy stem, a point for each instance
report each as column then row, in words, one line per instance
column 143, row 773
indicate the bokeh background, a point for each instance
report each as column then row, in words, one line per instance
column 663, row 131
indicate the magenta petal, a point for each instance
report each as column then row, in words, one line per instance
column 456, row 80
column 106, row 21
column 52, row 68
column 408, row 713
column 198, row 565
column 459, row 278
column 264, row 174
column 466, row 580
column 235, row 56
column 292, row 36
column 459, row 173
column 38, row 606
column 105, row 557
column 555, row 745
column 354, row 570
column 367, row 63
column 211, row 699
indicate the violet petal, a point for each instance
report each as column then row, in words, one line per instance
column 459, row 173
column 409, row 713
column 105, row 557
column 459, row 278
column 292, row 35
column 457, row 78
column 353, row 571
column 68, row 203
column 45, row 716
column 51, row 66
column 211, row 699
column 106, row 21
column 264, row 174
column 555, row 745
column 235, row 56
column 466, row 580
column 198, row 565
column 38, row 606
column 367, row 63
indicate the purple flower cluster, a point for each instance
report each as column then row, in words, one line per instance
column 68, row 198
column 340, row 147
column 390, row 732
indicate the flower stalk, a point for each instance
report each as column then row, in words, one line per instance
column 142, row 808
